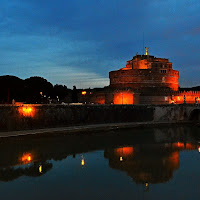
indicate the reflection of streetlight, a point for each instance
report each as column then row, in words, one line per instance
column 26, row 158
column 147, row 186
column 40, row 168
column 82, row 161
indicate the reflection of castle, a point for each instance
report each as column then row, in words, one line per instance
column 144, row 150
column 148, row 163
column 36, row 169
column 145, row 80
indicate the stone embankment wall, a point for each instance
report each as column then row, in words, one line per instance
column 46, row 116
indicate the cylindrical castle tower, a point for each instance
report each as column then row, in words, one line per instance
column 145, row 71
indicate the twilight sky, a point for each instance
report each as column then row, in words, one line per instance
column 77, row 42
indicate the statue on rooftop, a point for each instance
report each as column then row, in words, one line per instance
column 147, row 51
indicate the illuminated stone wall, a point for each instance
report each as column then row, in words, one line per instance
column 190, row 97
column 46, row 116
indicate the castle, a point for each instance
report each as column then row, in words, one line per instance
column 145, row 71
column 145, row 80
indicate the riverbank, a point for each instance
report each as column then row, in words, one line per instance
column 86, row 129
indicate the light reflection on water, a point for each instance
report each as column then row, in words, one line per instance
column 127, row 164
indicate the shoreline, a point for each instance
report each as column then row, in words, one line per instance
column 87, row 128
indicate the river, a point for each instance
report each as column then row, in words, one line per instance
column 149, row 163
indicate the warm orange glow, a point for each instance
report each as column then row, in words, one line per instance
column 124, row 151
column 174, row 160
column 27, row 111
column 190, row 146
column 84, row 93
column 172, row 102
column 82, row 162
column 26, row 158
column 121, row 158
column 180, row 144
column 190, row 97
column 123, row 98
column 199, row 149
column 185, row 146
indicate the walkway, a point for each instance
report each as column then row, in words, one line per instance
column 79, row 129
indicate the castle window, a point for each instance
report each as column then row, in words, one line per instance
column 163, row 71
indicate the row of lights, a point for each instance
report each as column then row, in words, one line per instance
column 27, row 158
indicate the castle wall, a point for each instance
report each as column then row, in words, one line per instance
column 44, row 116
column 189, row 97
column 137, row 78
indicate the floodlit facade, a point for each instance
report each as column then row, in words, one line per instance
column 144, row 80
column 145, row 71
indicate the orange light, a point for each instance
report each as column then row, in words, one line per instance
column 123, row 98
column 124, row 151
column 199, row 149
column 84, row 93
column 26, row 158
column 180, row 145
column 121, row 158
column 27, row 111
column 172, row 101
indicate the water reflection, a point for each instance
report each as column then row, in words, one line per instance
column 149, row 163
column 12, row 173
column 148, row 156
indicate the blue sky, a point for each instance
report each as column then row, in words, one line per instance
column 77, row 42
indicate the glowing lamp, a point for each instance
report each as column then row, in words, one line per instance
column 199, row 149
column 27, row 111
column 83, row 92
column 121, row 158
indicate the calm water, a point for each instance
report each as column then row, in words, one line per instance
column 127, row 164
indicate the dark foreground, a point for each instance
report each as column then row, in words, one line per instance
column 125, row 164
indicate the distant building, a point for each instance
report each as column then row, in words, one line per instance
column 145, row 80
